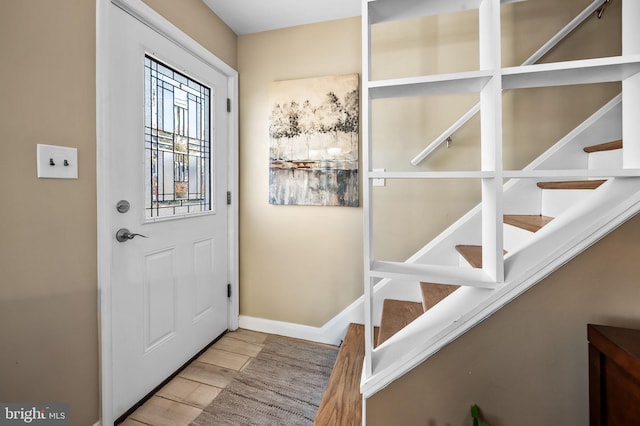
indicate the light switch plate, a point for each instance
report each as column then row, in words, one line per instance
column 380, row 181
column 57, row 162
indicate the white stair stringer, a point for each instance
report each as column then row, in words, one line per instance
column 561, row 240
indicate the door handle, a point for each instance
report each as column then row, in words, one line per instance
column 123, row 235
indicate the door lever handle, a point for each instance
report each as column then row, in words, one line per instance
column 123, row 235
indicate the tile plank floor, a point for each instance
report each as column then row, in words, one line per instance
column 181, row 400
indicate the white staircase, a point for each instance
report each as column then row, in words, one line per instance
column 580, row 216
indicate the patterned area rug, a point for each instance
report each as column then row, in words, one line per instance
column 282, row 386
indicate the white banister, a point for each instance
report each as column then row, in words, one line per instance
column 553, row 41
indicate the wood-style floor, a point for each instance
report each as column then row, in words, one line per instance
column 181, row 400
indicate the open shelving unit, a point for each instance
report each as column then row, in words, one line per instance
column 488, row 81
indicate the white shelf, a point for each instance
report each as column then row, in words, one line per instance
column 472, row 277
column 433, row 175
column 393, row 10
column 587, row 71
column 439, row 84
column 511, row 174
column 571, row 174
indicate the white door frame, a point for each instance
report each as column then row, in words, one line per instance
column 151, row 18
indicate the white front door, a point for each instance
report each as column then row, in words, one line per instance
column 167, row 177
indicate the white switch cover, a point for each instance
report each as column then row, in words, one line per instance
column 57, row 162
column 379, row 181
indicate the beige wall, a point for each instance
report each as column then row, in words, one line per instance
column 48, row 286
column 48, row 297
column 297, row 264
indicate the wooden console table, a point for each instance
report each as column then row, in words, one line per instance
column 614, row 376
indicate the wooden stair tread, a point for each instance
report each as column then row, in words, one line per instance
column 472, row 254
column 341, row 403
column 531, row 223
column 396, row 314
column 607, row 146
column 573, row 184
column 433, row 293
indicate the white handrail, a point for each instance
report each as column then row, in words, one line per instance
column 553, row 41
column 446, row 134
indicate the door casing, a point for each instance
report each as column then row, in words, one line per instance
column 151, row 18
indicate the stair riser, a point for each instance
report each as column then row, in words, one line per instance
column 556, row 201
column 605, row 160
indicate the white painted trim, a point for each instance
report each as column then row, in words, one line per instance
column 103, row 221
column 364, row 411
column 233, row 216
column 366, row 301
column 331, row 332
column 512, row 174
column 151, row 18
column 281, row 328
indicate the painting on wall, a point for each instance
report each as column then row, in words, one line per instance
column 313, row 141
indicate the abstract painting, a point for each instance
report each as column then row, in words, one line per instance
column 313, row 141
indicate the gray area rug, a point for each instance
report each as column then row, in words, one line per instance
column 282, row 386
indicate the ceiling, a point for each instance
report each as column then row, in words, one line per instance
column 252, row 16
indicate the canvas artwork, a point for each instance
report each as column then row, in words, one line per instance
column 313, row 134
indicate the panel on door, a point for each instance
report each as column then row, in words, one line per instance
column 159, row 302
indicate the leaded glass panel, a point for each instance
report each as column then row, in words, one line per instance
column 177, row 143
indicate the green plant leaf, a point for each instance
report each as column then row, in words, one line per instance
column 475, row 411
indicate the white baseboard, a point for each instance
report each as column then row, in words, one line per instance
column 330, row 333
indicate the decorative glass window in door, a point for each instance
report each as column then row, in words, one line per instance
column 177, row 143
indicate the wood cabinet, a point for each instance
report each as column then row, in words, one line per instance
column 614, row 376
